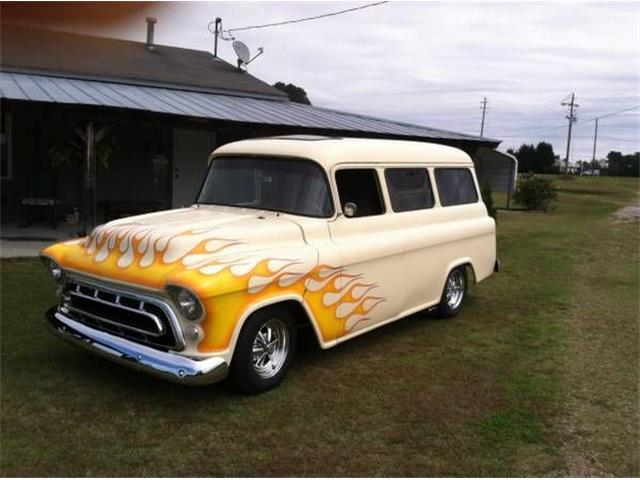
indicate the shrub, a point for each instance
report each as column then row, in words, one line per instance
column 535, row 193
column 487, row 198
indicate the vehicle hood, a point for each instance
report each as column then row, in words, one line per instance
column 190, row 247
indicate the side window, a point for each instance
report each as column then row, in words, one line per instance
column 409, row 189
column 455, row 186
column 360, row 186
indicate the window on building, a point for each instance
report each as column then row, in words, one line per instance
column 360, row 186
column 455, row 186
column 5, row 146
column 409, row 189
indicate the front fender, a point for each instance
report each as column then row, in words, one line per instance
column 229, row 285
column 233, row 286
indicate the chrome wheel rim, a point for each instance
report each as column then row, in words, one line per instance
column 455, row 289
column 270, row 348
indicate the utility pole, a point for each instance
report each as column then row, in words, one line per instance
column 484, row 109
column 595, row 141
column 572, row 118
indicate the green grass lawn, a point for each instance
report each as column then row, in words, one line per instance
column 537, row 376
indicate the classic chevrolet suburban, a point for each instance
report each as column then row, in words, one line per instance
column 344, row 235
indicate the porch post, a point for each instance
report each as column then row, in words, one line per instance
column 90, row 180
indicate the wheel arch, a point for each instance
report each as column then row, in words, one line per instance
column 462, row 262
column 444, row 309
column 466, row 262
column 294, row 304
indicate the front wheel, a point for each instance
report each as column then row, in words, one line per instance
column 264, row 351
column 454, row 293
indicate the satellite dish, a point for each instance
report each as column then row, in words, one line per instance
column 242, row 51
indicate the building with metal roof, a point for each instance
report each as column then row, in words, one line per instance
column 151, row 113
column 72, row 55
column 211, row 106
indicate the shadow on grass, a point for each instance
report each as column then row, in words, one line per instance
column 585, row 191
column 103, row 374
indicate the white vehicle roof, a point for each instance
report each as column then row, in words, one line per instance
column 330, row 151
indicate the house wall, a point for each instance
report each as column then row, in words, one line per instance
column 136, row 178
column 191, row 150
column 32, row 174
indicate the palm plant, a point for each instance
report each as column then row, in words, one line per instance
column 72, row 150
column 89, row 146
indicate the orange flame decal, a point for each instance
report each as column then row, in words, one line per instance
column 228, row 278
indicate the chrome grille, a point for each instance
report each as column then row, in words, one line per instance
column 142, row 319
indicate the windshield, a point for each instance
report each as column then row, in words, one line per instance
column 292, row 186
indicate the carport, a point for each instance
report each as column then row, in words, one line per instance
column 497, row 168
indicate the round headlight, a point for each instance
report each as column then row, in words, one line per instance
column 187, row 303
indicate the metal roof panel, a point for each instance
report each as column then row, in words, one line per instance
column 55, row 89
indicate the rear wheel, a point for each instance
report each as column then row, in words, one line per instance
column 264, row 351
column 454, row 293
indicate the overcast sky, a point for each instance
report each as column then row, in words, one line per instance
column 432, row 63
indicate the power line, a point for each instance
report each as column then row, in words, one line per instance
column 540, row 130
column 612, row 114
column 559, row 135
column 595, row 133
column 534, row 135
column 306, row 19
column 617, row 139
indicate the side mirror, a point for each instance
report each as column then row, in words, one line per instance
column 350, row 209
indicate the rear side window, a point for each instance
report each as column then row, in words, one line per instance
column 409, row 189
column 455, row 186
column 360, row 186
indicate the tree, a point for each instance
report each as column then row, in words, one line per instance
column 623, row 165
column 526, row 157
column 538, row 159
column 545, row 158
column 296, row 94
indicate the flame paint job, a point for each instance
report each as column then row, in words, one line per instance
column 227, row 276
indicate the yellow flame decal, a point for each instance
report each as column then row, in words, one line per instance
column 227, row 279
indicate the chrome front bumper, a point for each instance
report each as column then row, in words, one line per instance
column 165, row 365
